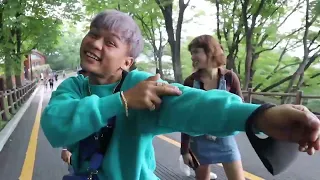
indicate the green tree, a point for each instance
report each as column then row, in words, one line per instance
column 174, row 34
column 66, row 53
column 151, row 24
column 261, row 23
column 317, row 8
column 253, row 25
column 311, row 45
column 26, row 25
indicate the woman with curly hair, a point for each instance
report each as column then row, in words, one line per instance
column 208, row 60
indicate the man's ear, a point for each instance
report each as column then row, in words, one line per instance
column 128, row 63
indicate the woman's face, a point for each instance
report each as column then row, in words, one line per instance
column 103, row 53
column 199, row 58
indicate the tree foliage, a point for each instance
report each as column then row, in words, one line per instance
column 30, row 24
column 65, row 55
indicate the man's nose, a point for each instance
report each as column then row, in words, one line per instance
column 98, row 43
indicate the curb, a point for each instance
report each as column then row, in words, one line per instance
column 6, row 132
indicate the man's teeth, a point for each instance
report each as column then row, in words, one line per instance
column 92, row 56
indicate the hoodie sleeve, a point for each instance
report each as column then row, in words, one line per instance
column 198, row 112
column 70, row 116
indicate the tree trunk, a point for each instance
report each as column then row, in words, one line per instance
column 300, row 71
column 155, row 57
column 277, row 84
column 248, row 62
column 174, row 38
column 18, row 80
column 177, row 70
column 230, row 63
column 160, row 66
column 311, row 60
column 2, row 84
column 8, row 72
column 239, row 67
column 9, row 82
column 18, row 65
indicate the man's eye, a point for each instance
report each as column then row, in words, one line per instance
column 110, row 43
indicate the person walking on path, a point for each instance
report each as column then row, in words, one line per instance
column 208, row 60
column 51, row 81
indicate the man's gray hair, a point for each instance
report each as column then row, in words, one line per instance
column 122, row 24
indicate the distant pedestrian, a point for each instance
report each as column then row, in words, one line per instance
column 51, row 83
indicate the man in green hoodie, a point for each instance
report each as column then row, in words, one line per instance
column 109, row 119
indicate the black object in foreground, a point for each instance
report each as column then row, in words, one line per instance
column 195, row 161
column 275, row 155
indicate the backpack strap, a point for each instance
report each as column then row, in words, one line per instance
column 223, row 83
column 93, row 148
column 196, row 84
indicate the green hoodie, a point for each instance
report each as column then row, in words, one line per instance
column 72, row 115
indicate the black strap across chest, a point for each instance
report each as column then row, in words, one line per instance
column 98, row 142
column 107, row 131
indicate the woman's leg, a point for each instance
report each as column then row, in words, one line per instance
column 234, row 170
column 203, row 172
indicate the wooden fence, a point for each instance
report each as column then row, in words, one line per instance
column 12, row 100
column 299, row 96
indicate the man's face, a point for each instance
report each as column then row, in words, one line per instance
column 103, row 53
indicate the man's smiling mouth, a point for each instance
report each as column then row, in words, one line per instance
column 93, row 56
